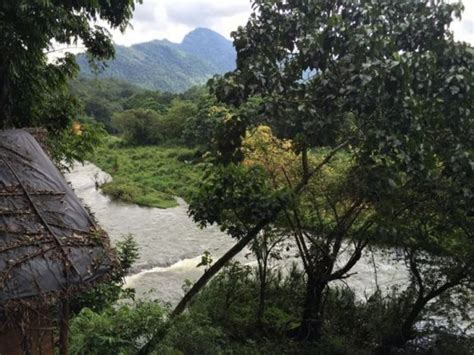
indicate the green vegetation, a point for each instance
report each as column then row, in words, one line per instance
column 101, row 99
column 346, row 126
column 148, row 176
column 119, row 330
column 33, row 89
column 166, row 66
column 163, row 138
column 223, row 320
column 145, row 127
column 340, row 148
column 312, row 73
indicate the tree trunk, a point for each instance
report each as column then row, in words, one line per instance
column 64, row 328
column 406, row 331
column 262, row 294
column 209, row 274
column 219, row 264
column 312, row 320
column 214, row 269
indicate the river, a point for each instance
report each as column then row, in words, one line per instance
column 171, row 245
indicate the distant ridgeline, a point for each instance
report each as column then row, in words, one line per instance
column 167, row 66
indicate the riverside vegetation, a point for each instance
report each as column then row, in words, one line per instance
column 149, row 176
column 346, row 126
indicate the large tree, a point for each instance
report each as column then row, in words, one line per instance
column 383, row 80
column 29, row 30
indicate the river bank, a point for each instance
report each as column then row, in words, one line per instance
column 171, row 245
column 148, row 176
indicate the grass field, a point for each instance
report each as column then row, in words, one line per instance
column 149, row 176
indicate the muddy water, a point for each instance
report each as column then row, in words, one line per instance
column 170, row 244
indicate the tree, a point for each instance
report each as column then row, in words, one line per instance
column 200, row 127
column 174, row 121
column 435, row 229
column 29, row 30
column 102, row 111
column 139, row 127
column 376, row 79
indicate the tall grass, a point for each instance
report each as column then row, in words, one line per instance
column 149, row 176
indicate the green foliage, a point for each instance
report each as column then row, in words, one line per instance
column 120, row 107
column 119, row 330
column 139, row 127
column 191, row 335
column 106, row 294
column 28, row 30
column 352, row 325
column 33, row 87
column 75, row 143
column 149, row 176
column 387, row 80
column 174, row 121
column 223, row 320
column 234, row 197
column 100, row 99
column 200, row 128
column 141, row 195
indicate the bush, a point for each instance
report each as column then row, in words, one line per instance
column 192, row 335
column 121, row 330
column 107, row 293
column 223, row 320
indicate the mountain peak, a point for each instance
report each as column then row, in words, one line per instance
column 204, row 30
column 217, row 49
column 202, row 34
column 169, row 66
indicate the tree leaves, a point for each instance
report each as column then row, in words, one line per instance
column 29, row 30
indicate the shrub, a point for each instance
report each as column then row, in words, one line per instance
column 121, row 330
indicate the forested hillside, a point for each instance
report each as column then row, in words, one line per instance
column 167, row 66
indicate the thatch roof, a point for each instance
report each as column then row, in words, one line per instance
column 49, row 244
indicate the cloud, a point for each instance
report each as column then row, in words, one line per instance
column 145, row 13
column 195, row 14
column 464, row 29
column 173, row 19
column 467, row 26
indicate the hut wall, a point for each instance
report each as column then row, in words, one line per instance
column 37, row 338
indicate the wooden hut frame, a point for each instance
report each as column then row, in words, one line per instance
column 50, row 246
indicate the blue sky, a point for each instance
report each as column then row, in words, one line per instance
column 172, row 19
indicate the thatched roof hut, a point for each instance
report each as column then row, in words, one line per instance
column 50, row 247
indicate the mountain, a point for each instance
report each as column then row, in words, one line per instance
column 167, row 66
column 211, row 46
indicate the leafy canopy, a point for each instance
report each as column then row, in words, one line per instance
column 385, row 76
column 384, row 79
column 29, row 29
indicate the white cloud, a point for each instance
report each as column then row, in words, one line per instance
column 464, row 29
column 173, row 19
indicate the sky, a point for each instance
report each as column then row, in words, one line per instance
column 173, row 19
column 464, row 30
